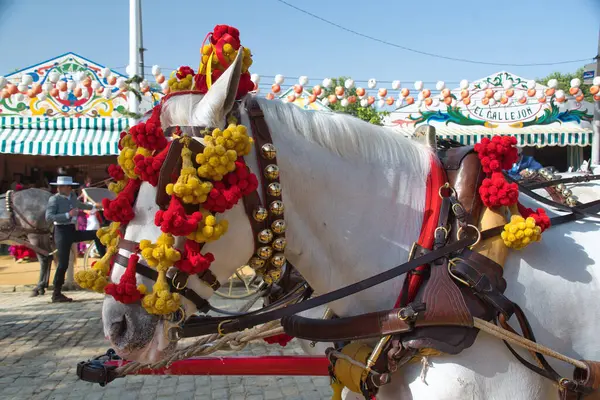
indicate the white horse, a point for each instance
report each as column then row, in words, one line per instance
column 354, row 195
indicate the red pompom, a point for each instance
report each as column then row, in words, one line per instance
column 282, row 339
column 220, row 30
column 121, row 208
column 175, row 221
column 184, row 71
column 116, row 172
column 126, row 290
column 149, row 134
column 192, row 261
column 18, row 187
column 227, row 193
column 148, row 168
column 541, row 218
column 496, row 191
column 498, row 153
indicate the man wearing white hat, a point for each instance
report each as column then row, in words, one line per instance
column 62, row 209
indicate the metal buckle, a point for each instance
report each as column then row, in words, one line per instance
column 220, row 327
column 442, row 228
column 173, row 334
column 453, row 263
column 459, row 207
column 176, row 283
column 446, row 186
column 462, row 228
column 181, row 312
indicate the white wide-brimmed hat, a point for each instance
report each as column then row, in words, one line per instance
column 64, row 181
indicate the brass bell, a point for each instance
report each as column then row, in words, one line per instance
column 265, row 236
column 274, row 189
column 260, row 214
column 274, row 274
column 271, row 171
column 528, row 172
column 567, row 193
column 278, row 226
column 256, row 263
column 278, row 260
column 276, row 207
column 264, row 252
column 571, row 202
column 561, row 187
column 267, row 279
column 279, row 243
column 268, row 151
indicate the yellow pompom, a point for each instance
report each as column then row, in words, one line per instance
column 189, row 188
column 109, row 236
column 117, row 187
column 520, row 232
column 91, row 279
column 161, row 301
column 161, row 254
column 209, row 229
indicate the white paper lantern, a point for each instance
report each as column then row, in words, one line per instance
column 47, row 86
column 41, row 96
column 22, row 87
column 435, row 103
column 596, row 81
column 3, row 82
column 453, row 104
column 26, row 80
column 541, row 98
column 327, row 82
column 485, row 85
column 325, row 101
column 156, row 70
column 107, row 93
column 106, row 72
column 164, row 85
column 121, row 82
column 95, row 85
column 419, row 85
column 62, row 95
column 464, row 84
column 372, row 83
column 399, row 103
column 364, row 103
column 255, row 78
column 419, row 103
column 19, row 97
column 130, row 70
column 497, row 96
column 380, row 103
column 322, row 94
column 349, row 83
column 303, row 80
column 84, row 92
column 507, row 84
column 440, row 85
column 560, row 94
column 396, row 85
column 71, row 85
column 492, row 102
column 420, row 96
column 344, row 102
column 575, row 83
column 53, row 76
column 279, row 79
column 552, row 83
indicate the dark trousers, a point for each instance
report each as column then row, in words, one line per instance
column 64, row 237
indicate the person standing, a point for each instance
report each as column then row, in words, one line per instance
column 63, row 209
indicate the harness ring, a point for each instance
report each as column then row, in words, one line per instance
column 446, row 186
column 462, row 228
column 176, row 283
column 219, row 327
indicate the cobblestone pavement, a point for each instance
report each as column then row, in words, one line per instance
column 41, row 344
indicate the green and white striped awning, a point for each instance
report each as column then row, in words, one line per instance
column 533, row 139
column 61, row 136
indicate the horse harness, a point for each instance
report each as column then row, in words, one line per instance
column 460, row 283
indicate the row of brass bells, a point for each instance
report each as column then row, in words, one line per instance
column 548, row 174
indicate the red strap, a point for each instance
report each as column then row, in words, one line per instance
column 433, row 202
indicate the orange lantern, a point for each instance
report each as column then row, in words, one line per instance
column 446, row 92
column 389, row 101
column 574, row 91
column 523, row 100
column 579, row 98
column 448, row 100
column 510, row 92
column 112, row 80
column 312, row 98
column 382, row 92
column 270, row 96
column 317, row 90
column 504, row 100
column 4, row 94
column 467, row 101
column 550, row 91
column 351, row 99
column 405, row 92
column 54, row 92
column 31, row 93
column 298, row 89
column 167, row 90
column 594, row 89
column 360, row 91
column 332, row 98
column 489, row 93
column 531, row 92
column 339, row 91
column 37, row 88
column 12, row 89
column 542, row 99
column 77, row 92
column 560, row 100
column 86, row 82
column 426, row 93
column 62, row 86
column 160, row 79
column 410, row 100
column 485, row 101
column 428, row 101
column 370, row 100
column 276, row 88
column 597, row 97
column 464, row 94
column 291, row 98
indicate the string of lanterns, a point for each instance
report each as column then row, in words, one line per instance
column 80, row 84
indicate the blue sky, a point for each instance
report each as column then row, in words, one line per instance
column 286, row 41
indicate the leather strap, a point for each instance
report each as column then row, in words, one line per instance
column 573, row 179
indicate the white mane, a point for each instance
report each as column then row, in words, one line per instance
column 350, row 137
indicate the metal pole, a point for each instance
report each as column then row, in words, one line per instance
column 596, row 122
column 134, row 61
column 140, row 33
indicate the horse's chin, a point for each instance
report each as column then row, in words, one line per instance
column 133, row 333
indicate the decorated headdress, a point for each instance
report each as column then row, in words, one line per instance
column 212, row 182
column 218, row 51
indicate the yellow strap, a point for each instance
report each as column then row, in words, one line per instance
column 209, row 70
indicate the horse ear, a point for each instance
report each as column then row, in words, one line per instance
column 220, row 98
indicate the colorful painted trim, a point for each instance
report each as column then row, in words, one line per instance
column 532, row 139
